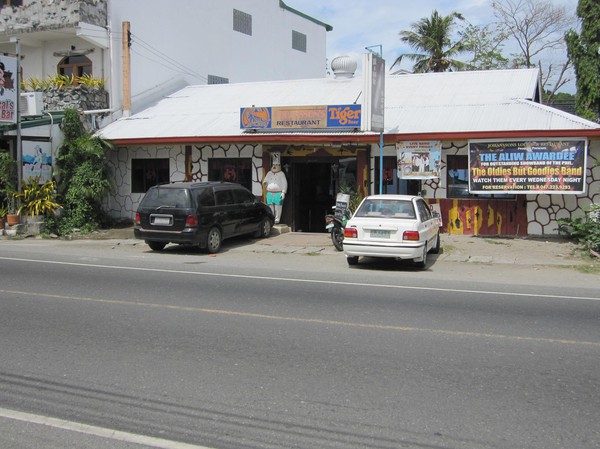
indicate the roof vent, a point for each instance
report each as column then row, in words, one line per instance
column 343, row 67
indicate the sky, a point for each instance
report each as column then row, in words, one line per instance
column 363, row 23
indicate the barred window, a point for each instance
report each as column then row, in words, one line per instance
column 231, row 170
column 298, row 41
column 213, row 79
column 146, row 173
column 242, row 22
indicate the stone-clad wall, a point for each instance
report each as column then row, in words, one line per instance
column 40, row 15
column 81, row 98
column 544, row 211
column 123, row 204
column 201, row 155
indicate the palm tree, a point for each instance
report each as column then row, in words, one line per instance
column 430, row 36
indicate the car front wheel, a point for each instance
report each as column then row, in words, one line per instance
column 213, row 241
column 264, row 229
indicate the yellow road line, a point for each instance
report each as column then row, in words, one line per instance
column 306, row 320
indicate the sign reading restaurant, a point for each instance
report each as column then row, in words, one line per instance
column 301, row 117
column 527, row 166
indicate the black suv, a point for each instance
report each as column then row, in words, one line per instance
column 200, row 213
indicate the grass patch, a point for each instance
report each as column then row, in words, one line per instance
column 496, row 242
column 592, row 268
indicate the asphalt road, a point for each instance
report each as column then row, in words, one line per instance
column 121, row 347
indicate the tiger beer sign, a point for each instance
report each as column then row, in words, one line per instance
column 301, row 117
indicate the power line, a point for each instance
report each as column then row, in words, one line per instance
column 185, row 69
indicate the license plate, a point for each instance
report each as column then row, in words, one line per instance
column 162, row 221
column 378, row 234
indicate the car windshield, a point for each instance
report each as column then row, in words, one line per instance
column 386, row 208
column 167, row 198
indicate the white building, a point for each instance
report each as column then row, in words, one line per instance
column 172, row 44
column 197, row 134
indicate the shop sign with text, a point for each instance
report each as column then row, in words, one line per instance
column 8, row 89
column 527, row 166
column 301, row 117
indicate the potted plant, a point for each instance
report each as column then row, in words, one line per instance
column 37, row 199
column 3, row 212
column 8, row 187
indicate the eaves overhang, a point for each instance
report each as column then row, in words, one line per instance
column 252, row 138
column 512, row 134
column 358, row 138
column 48, row 118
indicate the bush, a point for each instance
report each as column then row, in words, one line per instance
column 585, row 229
column 84, row 179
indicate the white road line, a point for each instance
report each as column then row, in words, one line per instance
column 308, row 281
column 96, row 431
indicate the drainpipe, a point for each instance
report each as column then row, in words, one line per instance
column 52, row 155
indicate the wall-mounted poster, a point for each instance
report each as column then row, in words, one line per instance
column 528, row 166
column 419, row 159
column 37, row 160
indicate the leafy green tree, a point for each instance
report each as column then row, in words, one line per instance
column 584, row 51
column 431, row 38
column 485, row 44
column 84, row 177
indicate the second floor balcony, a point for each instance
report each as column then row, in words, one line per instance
column 36, row 19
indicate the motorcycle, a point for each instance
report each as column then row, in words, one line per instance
column 335, row 224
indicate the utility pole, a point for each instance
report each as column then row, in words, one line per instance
column 18, row 103
column 126, row 70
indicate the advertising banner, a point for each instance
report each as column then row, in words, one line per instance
column 419, row 159
column 301, row 117
column 527, row 166
column 373, row 92
column 8, row 89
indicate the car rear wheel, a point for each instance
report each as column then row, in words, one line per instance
column 213, row 241
column 156, row 246
column 352, row 260
column 437, row 247
column 264, row 230
column 422, row 264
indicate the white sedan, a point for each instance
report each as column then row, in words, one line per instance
column 392, row 226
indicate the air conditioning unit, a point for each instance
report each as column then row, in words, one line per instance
column 32, row 103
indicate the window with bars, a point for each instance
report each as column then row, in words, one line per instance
column 299, row 41
column 213, row 79
column 146, row 173
column 242, row 22
column 231, row 170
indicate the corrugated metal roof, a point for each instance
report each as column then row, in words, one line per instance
column 416, row 103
